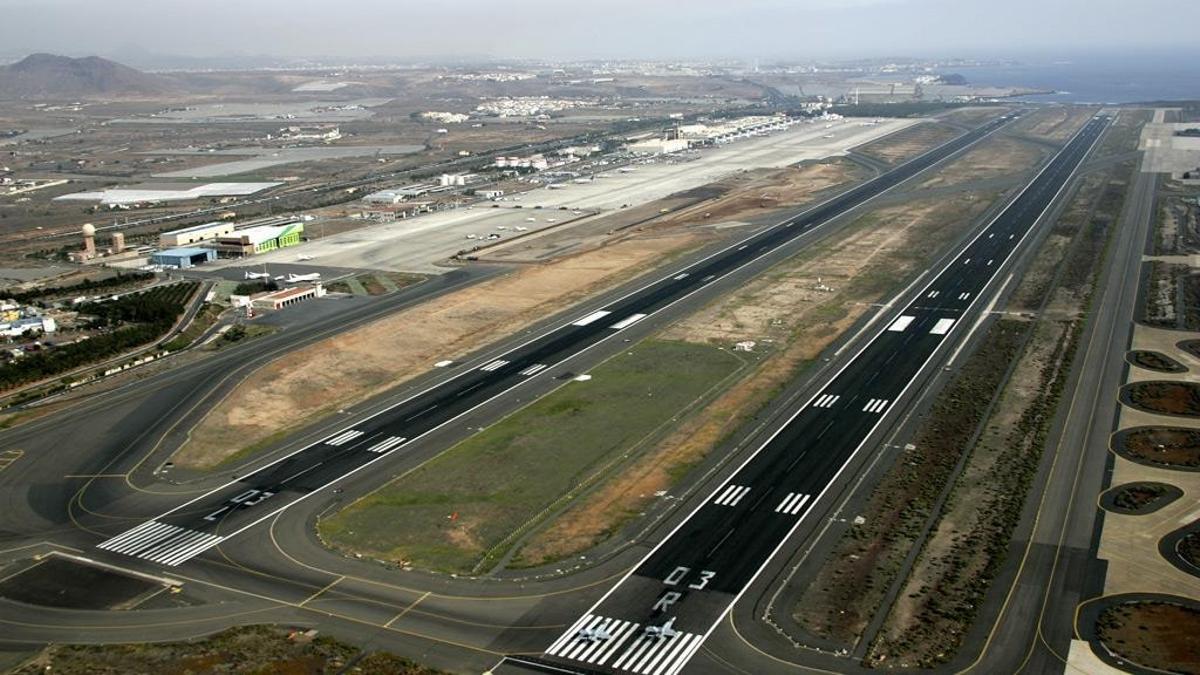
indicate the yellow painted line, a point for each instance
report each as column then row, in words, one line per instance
column 405, row 610
column 328, row 586
column 95, row 475
column 9, row 456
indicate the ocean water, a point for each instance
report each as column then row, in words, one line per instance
column 1099, row 80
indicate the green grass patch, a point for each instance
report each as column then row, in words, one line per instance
column 456, row 512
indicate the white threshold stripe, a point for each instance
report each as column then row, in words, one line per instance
column 732, row 495
column 591, row 318
column 569, row 634
column 534, row 369
column 138, row 536
column 826, row 401
column 161, row 543
column 343, row 437
column 388, row 444
column 901, row 323
column 680, row 276
column 792, row 503
column 616, row 646
column 577, row 646
column 942, row 327
column 628, row 321
column 494, row 365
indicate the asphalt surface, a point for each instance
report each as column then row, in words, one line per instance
column 692, row 578
column 190, row 529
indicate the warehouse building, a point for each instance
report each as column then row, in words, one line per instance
column 288, row 296
column 261, row 239
column 194, row 234
column 183, row 258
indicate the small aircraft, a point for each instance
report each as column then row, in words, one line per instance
column 297, row 278
column 304, row 257
column 257, row 275
column 666, row 630
column 599, row 634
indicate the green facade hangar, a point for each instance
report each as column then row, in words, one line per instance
column 253, row 240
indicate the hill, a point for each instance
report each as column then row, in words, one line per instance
column 52, row 76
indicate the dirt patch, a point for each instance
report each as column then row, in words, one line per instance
column 1172, row 297
column 1055, row 124
column 1172, row 447
column 1189, row 548
column 909, row 142
column 1140, row 498
column 1165, row 398
column 1158, row 635
column 795, row 310
column 1190, row 346
column 339, row 371
column 1157, row 361
column 257, row 650
column 995, row 157
column 752, row 194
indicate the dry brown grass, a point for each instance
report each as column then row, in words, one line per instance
column 350, row 367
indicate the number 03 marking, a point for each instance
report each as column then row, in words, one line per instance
column 679, row 573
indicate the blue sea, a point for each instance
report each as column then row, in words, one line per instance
column 1100, row 79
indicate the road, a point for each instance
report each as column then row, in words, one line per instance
column 195, row 526
column 659, row 615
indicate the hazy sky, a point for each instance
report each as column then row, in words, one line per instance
column 597, row 28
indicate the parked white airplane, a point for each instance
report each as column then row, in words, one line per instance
column 297, row 278
column 304, row 257
column 258, row 275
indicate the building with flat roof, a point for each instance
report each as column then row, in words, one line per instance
column 193, row 235
column 260, row 239
column 287, row 296
column 183, row 258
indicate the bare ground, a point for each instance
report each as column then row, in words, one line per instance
column 1055, row 124
column 997, row 156
column 910, row 142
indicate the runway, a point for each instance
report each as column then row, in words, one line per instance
column 190, row 529
column 694, row 575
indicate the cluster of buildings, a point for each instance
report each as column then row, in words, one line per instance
column 315, row 132
column 445, row 117
column 495, row 76
column 684, row 136
column 191, row 246
column 529, row 106
column 16, row 320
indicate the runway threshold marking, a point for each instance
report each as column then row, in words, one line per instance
column 875, row 405
column 628, row 321
column 826, row 401
column 591, row 318
column 942, row 327
column 901, row 323
column 534, row 369
column 344, row 437
column 732, row 495
column 162, row 543
column 387, row 444
column 792, row 503
column 597, row 639
column 494, row 365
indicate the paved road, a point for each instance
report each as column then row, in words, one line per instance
column 190, row 529
column 691, row 579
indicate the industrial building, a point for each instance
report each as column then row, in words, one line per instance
column 194, row 234
column 288, row 296
column 19, row 327
column 183, row 258
column 252, row 240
